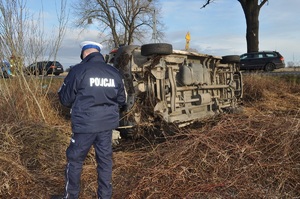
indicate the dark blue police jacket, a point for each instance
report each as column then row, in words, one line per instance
column 94, row 91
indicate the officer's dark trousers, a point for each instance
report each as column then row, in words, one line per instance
column 76, row 153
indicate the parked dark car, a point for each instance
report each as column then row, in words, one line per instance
column 45, row 68
column 264, row 60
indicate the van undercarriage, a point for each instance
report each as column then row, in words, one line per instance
column 176, row 86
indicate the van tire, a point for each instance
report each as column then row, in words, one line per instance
column 156, row 49
column 230, row 59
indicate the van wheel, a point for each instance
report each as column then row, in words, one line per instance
column 269, row 67
column 156, row 48
column 230, row 59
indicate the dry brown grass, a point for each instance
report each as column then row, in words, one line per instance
column 288, row 69
column 29, row 99
column 254, row 154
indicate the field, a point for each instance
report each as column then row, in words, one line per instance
column 251, row 154
column 288, row 69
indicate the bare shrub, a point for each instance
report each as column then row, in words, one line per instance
column 254, row 154
column 32, row 156
column 29, row 102
column 240, row 157
column 23, row 40
column 275, row 95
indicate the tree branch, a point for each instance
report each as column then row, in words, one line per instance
column 262, row 3
column 207, row 2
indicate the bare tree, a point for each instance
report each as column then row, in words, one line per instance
column 251, row 10
column 23, row 40
column 23, row 36
column 120, row 21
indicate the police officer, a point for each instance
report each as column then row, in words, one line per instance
column 94, row 91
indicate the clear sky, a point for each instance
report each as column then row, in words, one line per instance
column 218, row 29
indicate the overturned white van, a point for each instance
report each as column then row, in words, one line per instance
column 176, row 86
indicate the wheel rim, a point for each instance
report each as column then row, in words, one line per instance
column 269, row 67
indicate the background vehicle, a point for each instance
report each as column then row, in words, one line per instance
column 45, row 68
column 264, row 60
column 176, row 86
column 5, row 69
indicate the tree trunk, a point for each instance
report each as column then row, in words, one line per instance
column 251, row 11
